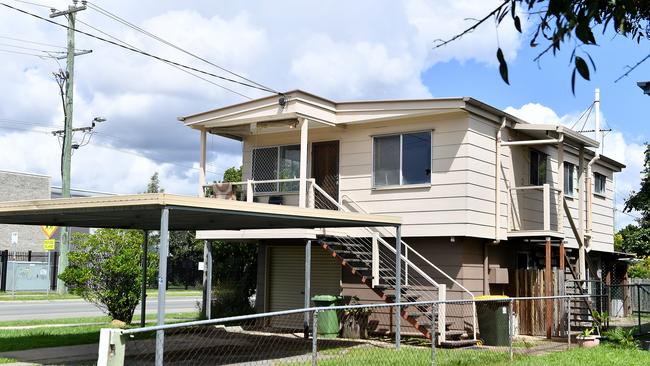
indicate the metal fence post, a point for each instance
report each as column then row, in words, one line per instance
column 314, row 338
column 510, row 328
column 568, row 321
column 433, row 334
column 638, row 305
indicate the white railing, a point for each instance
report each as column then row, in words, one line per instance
column 407, row 249
column 534, row 208
column 274, row 191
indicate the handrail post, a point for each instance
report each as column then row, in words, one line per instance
column 442, row 317
column 249, row 190
column 406, row 265
column 311, row 202
column 547, row 207
column 375, row 259
column 511, row 328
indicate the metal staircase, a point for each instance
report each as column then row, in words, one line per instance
column 582, row 308
column 370, row 257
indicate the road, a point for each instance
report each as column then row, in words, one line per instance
column 41, row 309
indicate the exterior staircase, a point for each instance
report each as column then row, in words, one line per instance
column 356, row 257
column 581, row 308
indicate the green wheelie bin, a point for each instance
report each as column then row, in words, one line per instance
column 328, row 321
column 493, row 320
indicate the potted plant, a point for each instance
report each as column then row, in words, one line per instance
column 355, row 321
column 587, row 338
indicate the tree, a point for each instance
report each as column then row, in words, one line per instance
column 232, row 174
column 104, row 269
column 558, row 22
column 154, row 184
column 235, row 277
column 640, row 200
column 635, row 240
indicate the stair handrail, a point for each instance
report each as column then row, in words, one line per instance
column 379, row 239
column 416, row 252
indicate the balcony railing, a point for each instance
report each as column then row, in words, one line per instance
column 273, row 191
column 534, row 209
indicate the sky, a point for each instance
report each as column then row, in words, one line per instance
column 340, row 50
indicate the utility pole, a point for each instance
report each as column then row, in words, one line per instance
column 66, row 157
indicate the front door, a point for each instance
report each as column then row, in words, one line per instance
column 325, row 171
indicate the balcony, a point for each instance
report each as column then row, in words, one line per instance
column 535, row 211
column 273, row 191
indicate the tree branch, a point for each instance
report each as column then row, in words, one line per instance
column 632, row 68
column 472, row 28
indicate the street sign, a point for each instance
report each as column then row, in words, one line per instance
column 49, row 230
column 14, row 238
column 49, row 244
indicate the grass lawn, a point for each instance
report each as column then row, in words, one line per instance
column 604, row 355
column 26, row 296
column 21, row 339
column 6, row 360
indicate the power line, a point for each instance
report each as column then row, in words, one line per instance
column 28, row 48
column 33, row 42
column 141, row 52
column 130, row 152
column 159, row 39
column 27, row 54
column 172, row 65
column 35, row 4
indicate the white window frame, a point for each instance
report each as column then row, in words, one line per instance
column 401, row 176
column 277, row 173
column 574, row 180
column 602, row 193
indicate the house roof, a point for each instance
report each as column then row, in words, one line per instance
column 143, row 211
column 235, row 121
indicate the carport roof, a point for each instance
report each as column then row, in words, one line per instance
column 143, row 211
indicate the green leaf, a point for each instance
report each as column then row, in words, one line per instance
column 503, row 66
column 581, row 66
column 573, row 81
column 518, row 24
column 584, row 34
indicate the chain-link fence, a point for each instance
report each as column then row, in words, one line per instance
column 372, row 334
column 629, row 306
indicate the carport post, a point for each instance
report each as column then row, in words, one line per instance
column 143, row 304
column 307, row 285
column 162, row 283
column 207, row 276
column 398, row 284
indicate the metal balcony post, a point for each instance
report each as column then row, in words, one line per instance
column 398, row 284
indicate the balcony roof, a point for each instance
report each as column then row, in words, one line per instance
column 143, row 212
column 541, row 130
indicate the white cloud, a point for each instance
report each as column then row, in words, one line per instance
column 615, row 146
column 353, row 50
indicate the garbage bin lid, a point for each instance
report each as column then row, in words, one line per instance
column 326, row 298
column 491, row 297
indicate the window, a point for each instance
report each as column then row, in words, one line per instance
column 600, row 184
column 279, row 162
column 402, row 159
column 537, row 168
column 570, row 179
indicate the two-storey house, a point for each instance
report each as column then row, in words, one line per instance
column 485, row 198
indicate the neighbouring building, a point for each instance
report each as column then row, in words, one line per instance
column 491, row 204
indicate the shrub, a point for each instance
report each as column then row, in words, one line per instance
column 105, row 269
column 621, row 338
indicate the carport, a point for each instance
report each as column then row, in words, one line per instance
column 165, row 212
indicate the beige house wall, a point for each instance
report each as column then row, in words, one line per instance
column 460, row 201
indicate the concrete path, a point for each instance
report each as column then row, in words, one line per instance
column 70, row 355
column 40, row 309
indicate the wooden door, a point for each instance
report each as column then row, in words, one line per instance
column 325, row 170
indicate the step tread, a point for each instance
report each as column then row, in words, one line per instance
column 458, row 343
